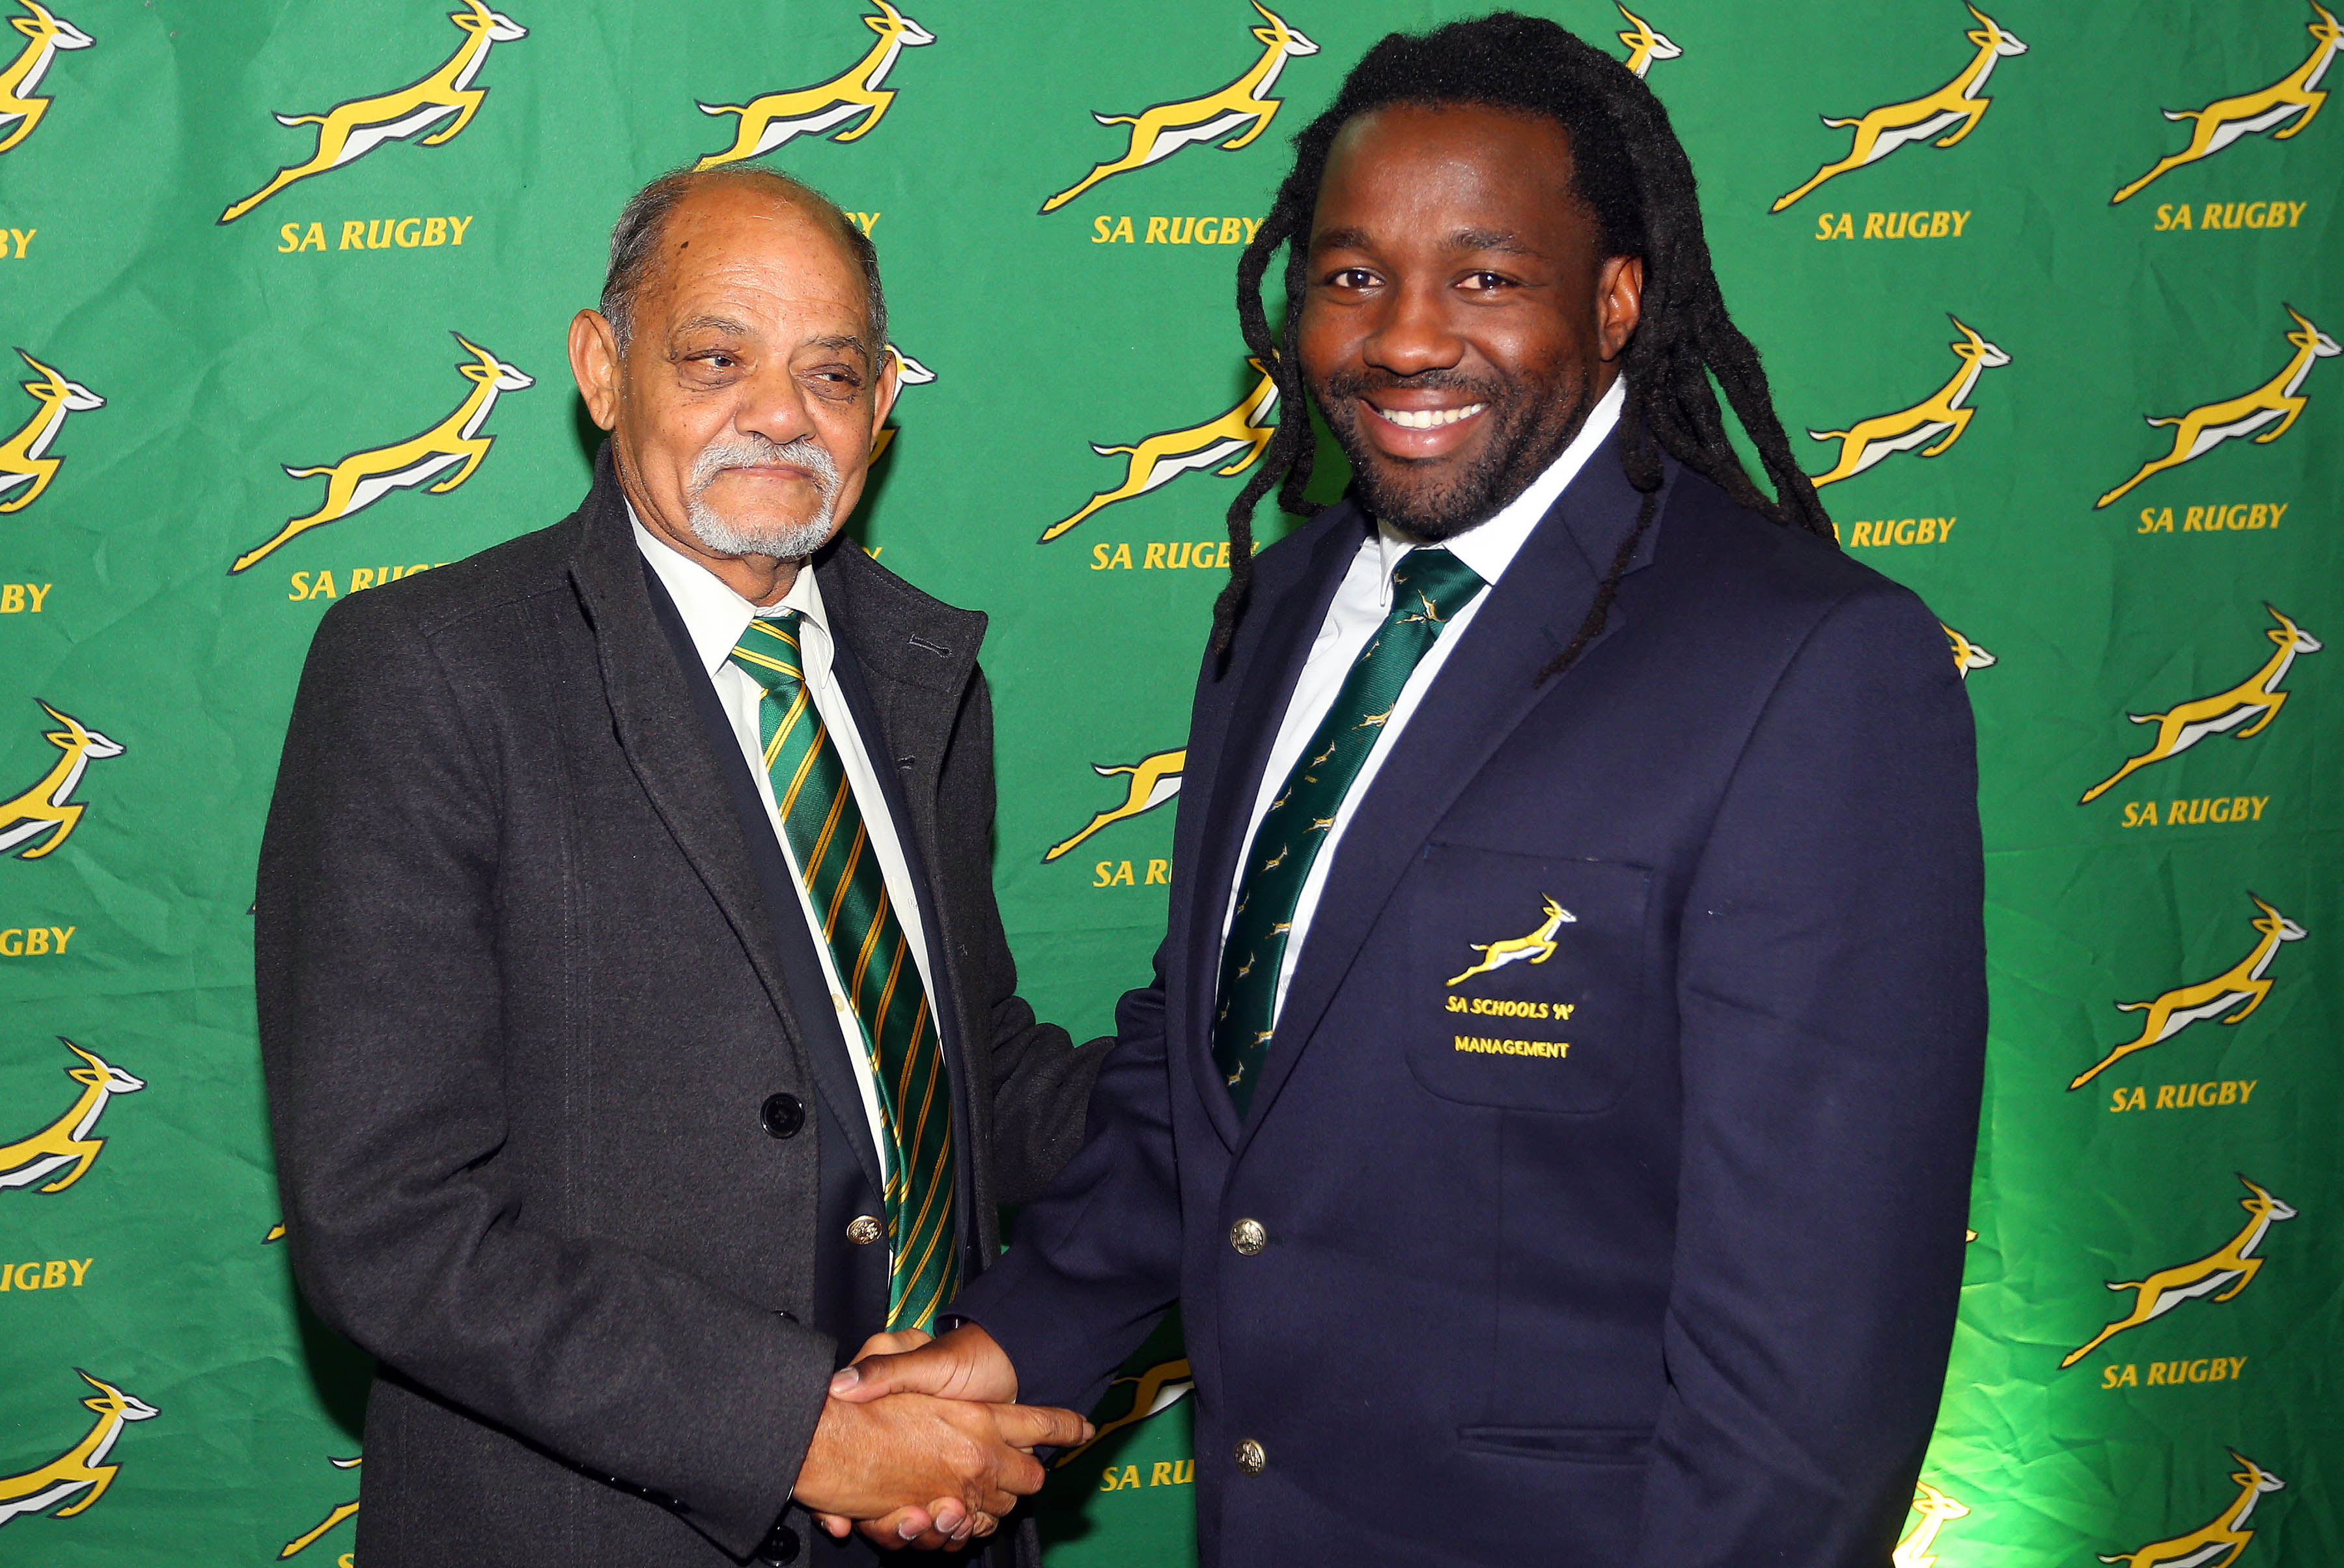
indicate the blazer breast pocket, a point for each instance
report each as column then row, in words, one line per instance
column 1523, row 986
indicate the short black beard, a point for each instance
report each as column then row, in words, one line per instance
column 1533, row 423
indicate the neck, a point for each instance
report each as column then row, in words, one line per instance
column 762, row 580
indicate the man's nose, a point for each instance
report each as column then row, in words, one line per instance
column 775, row 406
column 1413, row 334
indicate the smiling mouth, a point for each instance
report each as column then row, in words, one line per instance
column 1425, row 419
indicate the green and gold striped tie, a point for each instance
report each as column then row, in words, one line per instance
column 874, row 963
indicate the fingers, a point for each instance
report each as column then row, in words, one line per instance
column 838, row 1524
column 1039, row 1426
column 893, row 1344
column 964, row 1364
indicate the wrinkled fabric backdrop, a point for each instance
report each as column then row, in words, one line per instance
column 2086, row 417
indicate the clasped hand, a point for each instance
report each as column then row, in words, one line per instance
column 915, row 1416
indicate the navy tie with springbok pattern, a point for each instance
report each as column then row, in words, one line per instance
column 1430, row 589
column 874, row 963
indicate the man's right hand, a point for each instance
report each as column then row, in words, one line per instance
column 965, row 1364
column 870, row 1457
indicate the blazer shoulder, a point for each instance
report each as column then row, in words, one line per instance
column 1758, row 569
column 431, row 602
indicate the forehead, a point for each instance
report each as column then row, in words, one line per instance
column 755, row 255
column 1407, row 167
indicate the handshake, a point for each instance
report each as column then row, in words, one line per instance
column 920, row 1418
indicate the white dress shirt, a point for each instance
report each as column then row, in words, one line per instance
column 715, row 617
column 1361, row 605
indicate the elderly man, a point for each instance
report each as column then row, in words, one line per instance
column 641, row 1033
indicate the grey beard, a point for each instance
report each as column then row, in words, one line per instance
column 789, row 542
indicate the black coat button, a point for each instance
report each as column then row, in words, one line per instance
column 783, row 1114
column 779, row 1546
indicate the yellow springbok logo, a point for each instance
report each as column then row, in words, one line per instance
column 1967, row 656
column 24, row 457
column 48, row 806
column 46, row 33
column 909, row 372
column 308, row 1538
column 1153, row 781
column 68, row 1141
column 1936, row 1510
column 1153, row 1391
column 2242, row 982
column 1644, row 45
column 1240, row 434
column 1537, row 948
column 80, row 1467
column 366, row 476
column 2201, row 430
column 1940, row 414
column 356, row 126
column 1963, row 101
column 1160, row 130
column 769, row 121
column 2218, row 1544
column 2225, row 120
column 2233, row 1264
column 2257, row 697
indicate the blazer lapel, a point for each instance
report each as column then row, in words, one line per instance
column 1485, row 690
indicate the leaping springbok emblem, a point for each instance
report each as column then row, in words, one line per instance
column 769, row 121
column 1537, row 948
column 1936, row 1510
column 365, row 477
column 909, row 372
column 2233, row 1264
column 2218, row 1544
column 1644, row 45
column 1967, row 656
column 1240, row 435
column 48, row 807
column 68, row 1141
column 24, row 457
column 2225, row 120
column 2257, row 697
column 81, row 1467
column 1153, row 1391
column 308, row 1538
column 1160, row 130
column 1963, row 101
column 1942, row 414
column 46, row 33
column 356, row 126
column 1154, row 781
column 2201, row 430
column 2242, row 982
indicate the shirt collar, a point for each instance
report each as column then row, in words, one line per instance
column 713, row 616
column 1489, row 548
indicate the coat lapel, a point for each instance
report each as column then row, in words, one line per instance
column 1482, row 695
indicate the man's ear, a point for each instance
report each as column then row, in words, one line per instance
column 594, row 361
column 891, row 381
column 1619, row 302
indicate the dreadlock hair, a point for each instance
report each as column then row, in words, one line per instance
column 1630, row 167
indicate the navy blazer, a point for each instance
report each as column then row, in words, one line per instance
column 1644, row 1253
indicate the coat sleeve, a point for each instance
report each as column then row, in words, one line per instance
column 381, row 995
column 1832, row 996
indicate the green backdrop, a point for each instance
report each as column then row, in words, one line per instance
column 2181, row 923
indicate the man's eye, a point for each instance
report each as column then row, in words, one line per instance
column 1352, row 278
column 714, row 359
column 1486, row 281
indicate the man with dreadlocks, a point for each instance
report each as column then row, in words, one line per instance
column 1633, row 1239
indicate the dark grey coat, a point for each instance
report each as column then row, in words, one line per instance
column 520, row 1004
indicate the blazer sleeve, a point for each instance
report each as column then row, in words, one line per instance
column 380, row 996
column 1832, row 996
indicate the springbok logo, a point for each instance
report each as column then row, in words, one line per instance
column 1963, row 100
column 1240, row 434
column 2225, row 1539
column 1967, row 656
column 1160, row 130
column 2225, row 120
column 1537, row 948
column 2233, row 1264
column 1936, row 1510
column 774, row 118
column 2201, row 430
column 1644, row 45
column 2242, row 982
column 68, row 1141
column 47, row 807
column 2257, row 697
column 366, row 476
column 1153, row 780
column 1940, row 414
column 356, row 126
column 82, row 1466
column 24, row 458
column 909, row 372
column 46, row 33
column 1153, row 1391
column 308, row 1538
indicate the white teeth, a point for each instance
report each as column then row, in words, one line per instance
column 1428, row 419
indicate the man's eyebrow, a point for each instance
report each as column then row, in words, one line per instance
column 716, row 323
column 843, row 343
column 1503, row 241
column 1340, row 239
